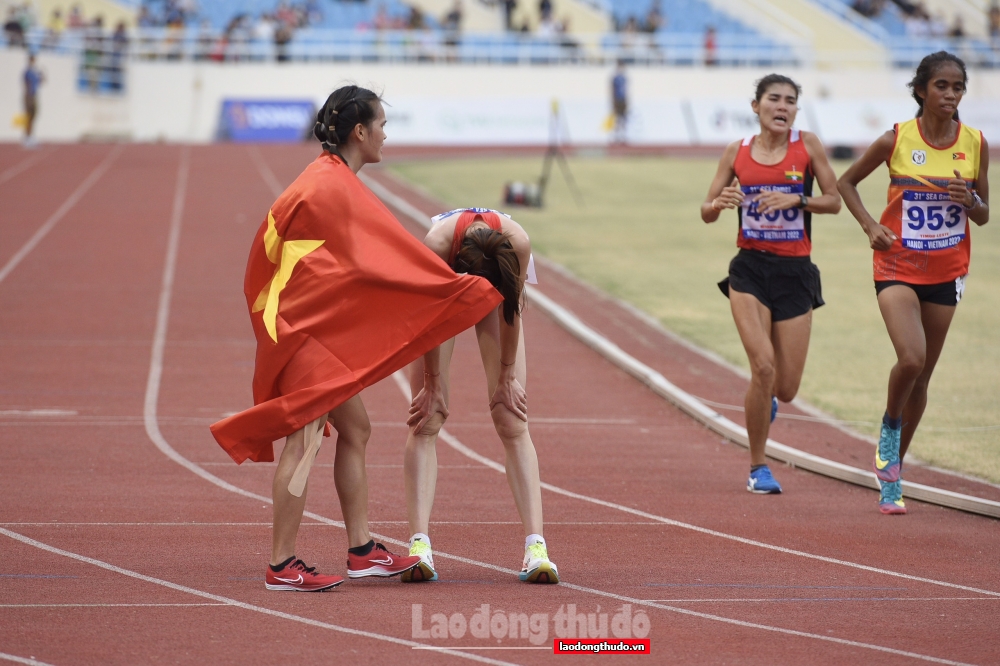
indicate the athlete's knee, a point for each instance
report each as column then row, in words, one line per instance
column 786, row 392
column 911, row 363
column 507, row 423
column 762, row 369
column 354, row 433
column 432, row 427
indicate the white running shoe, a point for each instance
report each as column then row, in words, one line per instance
column 537, row 566
column 425, row 570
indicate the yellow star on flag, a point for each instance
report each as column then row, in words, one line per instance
column 284, row 254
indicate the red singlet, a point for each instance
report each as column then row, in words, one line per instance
column 787, row 232
column 466, row 220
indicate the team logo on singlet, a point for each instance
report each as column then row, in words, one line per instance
column 793, row 175
column 958, row 156
column 919, row 157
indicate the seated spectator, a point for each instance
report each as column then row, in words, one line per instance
column 994, row 17
column 957, row 28
column 54, row 29
column 711, row 47
column 75, row 20
column 654, row 18
column 453, row 20
column 545, row 9
column 416, row 20
column 13, row 29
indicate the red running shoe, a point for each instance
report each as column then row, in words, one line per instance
column 379, row 562
column 296, row 576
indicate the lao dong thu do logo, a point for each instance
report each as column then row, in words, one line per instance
column 488, row 623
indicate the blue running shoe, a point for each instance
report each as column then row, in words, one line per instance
column 887, row 461
column 774, row 408
column 762, row 483
column 890, row 498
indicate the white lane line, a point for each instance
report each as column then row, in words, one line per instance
column 691, row 406
column 61, row 212
column 38, row 412
column 823, row 599
column 226, row 600
column 456, row 444
column 372, row 522
column 24, row 165
column 105, row 605
column 22, row 660
column 152, row 429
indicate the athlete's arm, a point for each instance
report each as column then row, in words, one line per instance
column 879, row 237
column 977, row 210
column 430, row 399
column 829, row 202
column 724, row 192
column 509, row 391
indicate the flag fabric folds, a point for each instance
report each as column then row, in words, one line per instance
column 340, row 296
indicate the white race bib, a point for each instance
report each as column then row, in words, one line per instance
column 932, row 221
column 776, row 225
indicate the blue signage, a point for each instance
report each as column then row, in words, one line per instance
column 266, row 120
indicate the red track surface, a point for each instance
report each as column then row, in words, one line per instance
column 78, row 324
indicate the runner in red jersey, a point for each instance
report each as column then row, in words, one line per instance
column 773, row 286
column 938, row 182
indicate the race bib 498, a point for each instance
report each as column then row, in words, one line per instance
column 775, row 225
column 932, row 221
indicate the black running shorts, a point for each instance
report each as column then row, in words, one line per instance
column 942, row 293
column 787, row 286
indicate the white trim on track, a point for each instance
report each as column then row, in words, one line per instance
column 67, row 205
column 697, row 409
column 22, row 660
column 105, row 605
column 24, row 165
column 226, row 600
column 456, row 444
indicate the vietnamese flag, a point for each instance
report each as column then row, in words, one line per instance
column 340, row 296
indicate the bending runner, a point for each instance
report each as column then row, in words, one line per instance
column 340, row 296
column 938, row 182
column 773, row 286
column 479, row 241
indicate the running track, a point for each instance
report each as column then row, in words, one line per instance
column 123, row 334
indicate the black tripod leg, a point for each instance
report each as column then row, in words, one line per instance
column 568, row 175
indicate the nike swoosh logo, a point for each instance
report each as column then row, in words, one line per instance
column 293, row 581
column 385, row 561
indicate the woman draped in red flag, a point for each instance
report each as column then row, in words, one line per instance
column 479, row 241
column 340, row 297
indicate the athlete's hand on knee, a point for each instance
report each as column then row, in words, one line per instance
column 881, row 238
column 730, row 197
column 959, row 192
column 426, row 404
column 770, row 200
column 511, row 395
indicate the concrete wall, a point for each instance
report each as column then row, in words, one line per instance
column 465, row 104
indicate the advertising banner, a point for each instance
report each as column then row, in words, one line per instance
column 280, row 121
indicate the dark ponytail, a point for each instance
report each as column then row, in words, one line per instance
column 489, row 254
column 925, row 71
column 345, row 109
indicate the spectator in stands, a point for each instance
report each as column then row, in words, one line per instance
column 205, row 41
column 75, row 20
column 545, row 9
column 416, row 19
column 119, row 50
column 868, row 8
column 452, row 21
column 13, row 29
column 508, row 11
column 654, row 18
column 54, row 29
column 711, row 47
column 93, row 53
column 619, row 103
column 569, row 45
column 957, row 30
column 382, row 19
column 282, row 38
column 994, row 17
column 32, row 78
